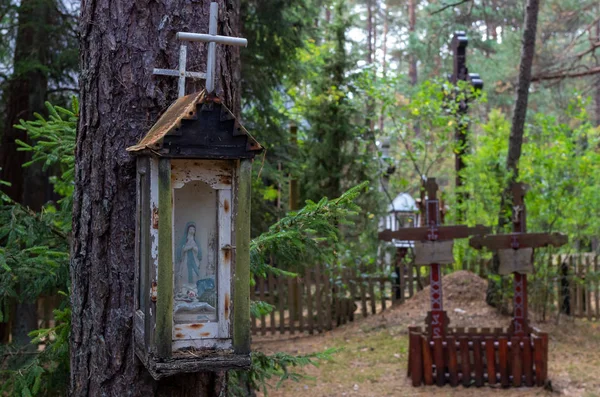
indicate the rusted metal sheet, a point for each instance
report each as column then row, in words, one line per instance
column 183, row 108
column 186, row 108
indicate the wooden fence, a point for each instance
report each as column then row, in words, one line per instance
column 567, row 284
column 478, row 356
column 320, row 299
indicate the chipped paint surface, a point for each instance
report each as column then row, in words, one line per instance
column 215, row 173
column 154, row 205
column 227, row 305
column 226, row 205
column 196, row 326
column 154, row 217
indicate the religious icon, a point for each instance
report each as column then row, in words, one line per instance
column 190, row 253
column 194, row 260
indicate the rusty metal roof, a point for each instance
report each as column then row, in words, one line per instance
column 182, row 109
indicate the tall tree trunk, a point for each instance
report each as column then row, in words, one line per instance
column 121, row 42
column 518, row 127
column 412, row 58
column 25, row 95
column 386, row 28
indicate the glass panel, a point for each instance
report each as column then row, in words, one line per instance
column 195, row 242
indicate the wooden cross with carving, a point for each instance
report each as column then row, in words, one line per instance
column 515, row 252
column 433, row 247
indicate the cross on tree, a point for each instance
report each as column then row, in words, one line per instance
column 212, row 39
column 515, row 251
column 433, row 247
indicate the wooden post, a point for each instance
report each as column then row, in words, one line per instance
column 261, row 294
column 281, row 298
column 318, row 299
column 271, row 280
column 416, row 359
column 309, row 301
column 490, row 359
column 465, row 359
column 478, row 361
column 164, row 304
column 427, row 361
column 241, row 317
column 452, row 361
column 438, row 354
column 461, row 72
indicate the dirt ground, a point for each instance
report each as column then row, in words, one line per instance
column 374, row 353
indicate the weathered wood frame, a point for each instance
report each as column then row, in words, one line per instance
column 154, row 340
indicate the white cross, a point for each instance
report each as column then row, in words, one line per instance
column 212, row 39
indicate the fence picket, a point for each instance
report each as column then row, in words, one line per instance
column 253, row 298
column 291, row 309
column 271, row 281
column 597, row 287
column 328, row 300
column 281, row 298
column 309, row 301
column 318, row 300
column 263, row 320
column 587, row 289
column 299, row 288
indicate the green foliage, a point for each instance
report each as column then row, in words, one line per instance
column 560, row 165
column 34, row 254
column 280, row 366
column 54, row 145
column 307, row 236
column 45, row 372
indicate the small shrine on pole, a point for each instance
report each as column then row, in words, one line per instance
column 192, row 310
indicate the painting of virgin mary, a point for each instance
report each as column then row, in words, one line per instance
column 189, row 254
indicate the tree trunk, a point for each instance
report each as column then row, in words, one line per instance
column 412, row 58
column 386, row 28
column 517, row 128
column 121, row 42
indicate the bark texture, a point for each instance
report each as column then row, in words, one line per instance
column 493, row 297
column 121, row 42
column 523, row 84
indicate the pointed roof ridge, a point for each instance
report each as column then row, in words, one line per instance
column 184, row 108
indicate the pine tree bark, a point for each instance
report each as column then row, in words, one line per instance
column 121, row 42
column 517, row 129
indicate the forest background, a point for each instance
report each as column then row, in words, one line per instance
column 324, row 85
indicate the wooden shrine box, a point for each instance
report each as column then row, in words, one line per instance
column 192, row 295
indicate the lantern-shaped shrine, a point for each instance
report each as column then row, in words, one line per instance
column 402, row 212
column 192, row 239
